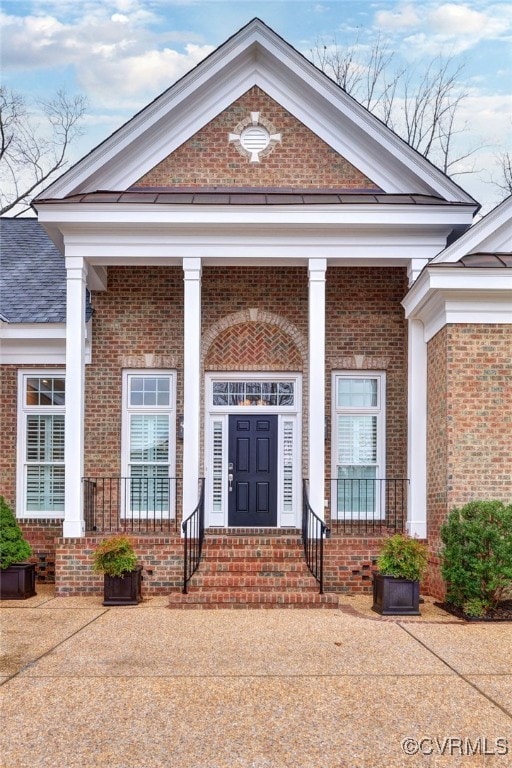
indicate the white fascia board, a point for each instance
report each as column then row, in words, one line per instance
column 32, row 331
column 458, row 295
column 256, row 56
column 123, row 243
column 492, row 233
column 71, row 215
column 37, row 343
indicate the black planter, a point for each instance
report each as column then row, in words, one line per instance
column 18, row 581
column 123, row 590
column 395, row 597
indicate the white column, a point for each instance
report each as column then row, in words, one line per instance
column 76, row 275
column 316, row 395
column 191, row 382
column 417, row 431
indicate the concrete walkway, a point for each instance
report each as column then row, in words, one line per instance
column 148, row 687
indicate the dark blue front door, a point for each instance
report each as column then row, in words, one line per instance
column 253, row 464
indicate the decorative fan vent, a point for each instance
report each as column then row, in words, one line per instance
column 254, row 137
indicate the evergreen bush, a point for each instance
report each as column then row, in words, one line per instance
column 477, row 555
column 402, row 557
column 115, row 556
column 13, row 547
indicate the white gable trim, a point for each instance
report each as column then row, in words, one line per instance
column 256, row 56
column 493, row 233
column 459, row 295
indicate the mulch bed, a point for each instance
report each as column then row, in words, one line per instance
column 503, row 612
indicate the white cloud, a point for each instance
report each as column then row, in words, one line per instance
column 434, row 27
column 402, row 17
column 119, row 60
column 133, row 81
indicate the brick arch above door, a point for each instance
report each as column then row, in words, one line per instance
column 252, row 340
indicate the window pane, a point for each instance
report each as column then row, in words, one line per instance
column 357, row 439
column 45, row 438
column 357, row 491
column 45, row 488
column 288, row 466
column 150, row 391
column 149, row 438
column 262, row 393
column 149, row 488
column 217, row 466
column 45, row 391
column 357, row 393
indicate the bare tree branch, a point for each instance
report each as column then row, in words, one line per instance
column 504, row 181
column 31, row 153
column 422, row 110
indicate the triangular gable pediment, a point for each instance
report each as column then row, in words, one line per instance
column 256, row 56
column 296, row 158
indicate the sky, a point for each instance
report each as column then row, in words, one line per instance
column 122, row 53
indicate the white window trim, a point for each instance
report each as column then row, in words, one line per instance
column 128, row 410
column 284, row 413
column 379, row 410
column 23, row 411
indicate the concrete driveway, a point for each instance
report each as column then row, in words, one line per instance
column 148, row 687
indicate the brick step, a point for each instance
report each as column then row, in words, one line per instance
column 246, row 553
column 254, row 566
column 253, row 532
column 247, row 599
column 252, row 543
column 240, row 581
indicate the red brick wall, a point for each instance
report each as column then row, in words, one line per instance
column 8, row 432
column 138, row 323
column 469, row 444
column 160, row 556
column 300, row 161
column 365, row 328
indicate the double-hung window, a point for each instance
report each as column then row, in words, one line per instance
column 42, row 401
column 148, row 444
column 359, row 443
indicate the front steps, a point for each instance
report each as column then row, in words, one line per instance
column 255, row 570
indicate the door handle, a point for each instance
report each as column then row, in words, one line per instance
column 230, row 481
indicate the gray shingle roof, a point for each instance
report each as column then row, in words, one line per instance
column 32, row 274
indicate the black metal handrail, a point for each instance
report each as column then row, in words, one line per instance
column 133, row 504
column 314, row 530
column 368, row 505
column 193, row 537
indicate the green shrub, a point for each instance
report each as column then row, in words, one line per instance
column 477, row 554
column 115, row 556
column 13, row 547
column 402, row 557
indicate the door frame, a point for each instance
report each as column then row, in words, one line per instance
column 218, row 415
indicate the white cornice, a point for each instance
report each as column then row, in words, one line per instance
column 256, row 56
column 493, row 233
column 146, row 234
column 37, row 343
column 459, row 295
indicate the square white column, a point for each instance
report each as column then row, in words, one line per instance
column 191, row 383
column 316, row 394
column 417, row 430
column 76, row 276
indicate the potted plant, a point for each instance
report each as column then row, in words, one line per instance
column 17, row 578
column 116, row 559
column 396, row 585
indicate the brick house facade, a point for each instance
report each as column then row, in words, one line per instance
column 252, row 285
